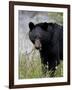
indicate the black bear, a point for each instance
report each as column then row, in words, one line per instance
column 48, row 39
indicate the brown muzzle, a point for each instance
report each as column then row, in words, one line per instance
column 37, row 44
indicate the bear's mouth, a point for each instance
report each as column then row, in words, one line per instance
column 38, row 48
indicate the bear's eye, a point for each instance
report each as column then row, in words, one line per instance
column 33, row 38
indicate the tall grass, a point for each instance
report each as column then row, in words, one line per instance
column 30, row 67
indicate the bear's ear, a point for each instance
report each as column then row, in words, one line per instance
column 31, row 25
column 45, row 26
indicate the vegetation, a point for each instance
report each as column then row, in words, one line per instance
column 57, row 17
column 32, row 67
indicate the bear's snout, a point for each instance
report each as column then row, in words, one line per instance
column 38, row 44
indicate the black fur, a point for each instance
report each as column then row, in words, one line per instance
column 50, row 36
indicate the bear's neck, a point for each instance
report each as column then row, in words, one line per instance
column 46, row 46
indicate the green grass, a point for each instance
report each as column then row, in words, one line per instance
column 32, row 68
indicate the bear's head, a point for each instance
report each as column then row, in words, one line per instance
column 39, row 34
